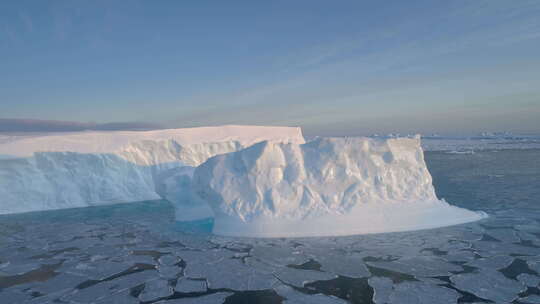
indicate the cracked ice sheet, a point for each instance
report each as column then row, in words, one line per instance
column 90, row 294
column 526, row 236
column 209, row 299
column 298, row 278
column 122, row 297
column 231, row 274
column 103, row 290
column 486, row 248
column 186, row 285
column 156, row 289
column 529, row 280
column 59, row 283
column 352, row 267
column 169, row 272
column 293, row 296
column 534, row 265
column 419, row 266
column 422, row 293
column 495, row 262
column 488, row 284
column 94, row 270
column 135, row 279
column 460, row 256
column 280, row 256
column 14, row 296
column 504, row 235
column 532, row 299
column 385, row 292
column 169, row 260
column 192, row 257
column 11, row 269
column 382, row 288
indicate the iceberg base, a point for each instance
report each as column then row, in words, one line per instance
column 363, row 219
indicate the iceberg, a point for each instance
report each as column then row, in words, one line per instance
column 326, row 187
column 254, row 181
column 54, row 171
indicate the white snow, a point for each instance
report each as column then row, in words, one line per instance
column 43, row 172
column 326, row 187
column 112, row 141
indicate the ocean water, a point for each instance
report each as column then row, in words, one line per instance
column 137, row 253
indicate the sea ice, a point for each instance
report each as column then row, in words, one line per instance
column 352, row 267
column 505, row 235
column 293, row 296
column 208, row 299
column 187, row 285
column 232, row 274
column 382, row 288
column 169, row 272
column 122, row 297
column 488, row 284
column 298, row 278
column 420, row 266
column 169, row 260
column 422, row 293
column 532, row 299
column 495, row 262
column 14, row 296
column 529, row 280
column 156, row 289
column 278, row 255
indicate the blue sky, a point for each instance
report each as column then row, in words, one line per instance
column 332, row 67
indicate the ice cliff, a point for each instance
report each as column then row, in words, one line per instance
column 332, row 186
column 54, row 171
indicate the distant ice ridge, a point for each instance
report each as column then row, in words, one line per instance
column 326, row 187
column 54, row 171
column 486, row 141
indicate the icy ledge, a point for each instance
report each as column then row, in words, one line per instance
column 327, row 187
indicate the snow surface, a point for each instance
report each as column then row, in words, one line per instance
column 112, row 141
column 329, row 186
column 42, row 172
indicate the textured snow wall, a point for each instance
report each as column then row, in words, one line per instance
column 56, row 180
column 114, row 167
column 332, row 186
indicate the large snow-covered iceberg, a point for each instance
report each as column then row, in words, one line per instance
column 332, row 186
column 255, row 181
column 54, row 171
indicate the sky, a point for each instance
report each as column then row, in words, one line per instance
column 331, row 67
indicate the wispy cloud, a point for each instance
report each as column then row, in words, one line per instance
column 27, row 21
column 9, row 34
column 36, row 125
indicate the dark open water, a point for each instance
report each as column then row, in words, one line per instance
column 136, row 253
